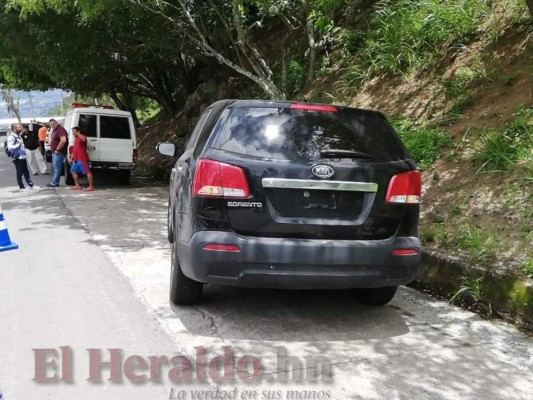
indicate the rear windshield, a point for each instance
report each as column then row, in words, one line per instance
column 296, row 135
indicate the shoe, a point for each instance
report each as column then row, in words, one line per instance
column 34, row 187
column 23, row 189
column 89, row 189
column 76, row 188
column 35, row 173
column 50, row 185
column 45, row 173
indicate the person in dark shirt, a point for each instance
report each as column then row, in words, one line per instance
column 35, row 159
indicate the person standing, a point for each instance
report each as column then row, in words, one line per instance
column 58, row 145
column 42, row 137
column 15, row 145
column 79, row 160
column 33, row 155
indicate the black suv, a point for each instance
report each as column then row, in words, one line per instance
column 278, row 194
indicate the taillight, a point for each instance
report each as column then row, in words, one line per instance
column 312, row 107
column 404, row 252
column 135, row 155
column 217, row 179
column 405, row 188
column 222, row 247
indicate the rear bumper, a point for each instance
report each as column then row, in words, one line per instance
column 112, row 165
column 299, row 263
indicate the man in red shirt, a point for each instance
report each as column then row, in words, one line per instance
column 79, row 160
column 58, row 145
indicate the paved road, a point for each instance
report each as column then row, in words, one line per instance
column 104, row 283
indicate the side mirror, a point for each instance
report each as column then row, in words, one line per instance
column 167, row 149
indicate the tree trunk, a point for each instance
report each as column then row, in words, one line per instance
column 312, row 53
column 284, row 70
column 12, row 105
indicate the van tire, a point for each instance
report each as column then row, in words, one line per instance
column 183, row 290
column 69, row 179
column 375, row 296
column 124, row 176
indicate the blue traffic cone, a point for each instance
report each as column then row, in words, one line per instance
column 5, row 242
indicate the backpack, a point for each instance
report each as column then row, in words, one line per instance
column 9, row 153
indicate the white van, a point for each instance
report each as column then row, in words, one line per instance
column 111, row 138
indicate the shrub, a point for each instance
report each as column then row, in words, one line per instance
column 512, row 147
column 424, row 144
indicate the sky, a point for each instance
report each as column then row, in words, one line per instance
column 39, row 105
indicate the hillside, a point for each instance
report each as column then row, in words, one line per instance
column 466, row 113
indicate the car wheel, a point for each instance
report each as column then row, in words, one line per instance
column 69, row 180
column 375, row 296
column 182, row 289
column 170, row 230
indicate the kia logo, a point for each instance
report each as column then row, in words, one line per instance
column 323, row 171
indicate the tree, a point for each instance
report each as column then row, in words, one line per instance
column 11, row 103
column 186, row 18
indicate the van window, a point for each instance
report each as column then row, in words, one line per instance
column 114, row 127
column 87, row 123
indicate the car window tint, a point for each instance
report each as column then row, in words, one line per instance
column 87, row 123
column 114, row 127
column 301, row 135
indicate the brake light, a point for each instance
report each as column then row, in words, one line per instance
column 135, row 155
column 405, row 188
column 217, row 179
column 313, row 107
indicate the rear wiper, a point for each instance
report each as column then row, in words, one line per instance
column 343, row 154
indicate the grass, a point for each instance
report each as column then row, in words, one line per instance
column 407, row 35
column 527, row 268
column 470, row 289
column 479, row 245
column 424, row 144
column 511, row 148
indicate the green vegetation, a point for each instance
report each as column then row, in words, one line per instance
column 481, row 246
column 470, row 289
column 527, row 268
column 512, row 148
column 424, row 144
column 405, row 35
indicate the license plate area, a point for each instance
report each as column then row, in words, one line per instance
column 306, row 203
column 323, row 200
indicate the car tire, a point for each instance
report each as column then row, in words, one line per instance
column 170, row 229
column 183, row 291
column 375, row 296
column 69, row 179
column 124, row 176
